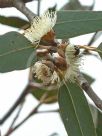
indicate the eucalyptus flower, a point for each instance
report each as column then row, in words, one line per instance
column 73, row 62
column 56, row 77
column 44, row 73
column 66, row 63
column 40, row 26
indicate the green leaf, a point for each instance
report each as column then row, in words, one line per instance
column 15, row 52
column 97, row 117
column 75, row 111
column 76, row 5
column 99, row 124
column 99, row 50
column 51, row 97
column 88, row 78
column 75, row 23
column 13, row 21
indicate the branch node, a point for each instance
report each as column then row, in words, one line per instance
column 20, row 5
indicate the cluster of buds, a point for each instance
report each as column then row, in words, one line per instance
column 56, row 61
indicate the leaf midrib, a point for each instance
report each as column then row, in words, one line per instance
column 81, row 20
column 74, row 110
column 16, row 50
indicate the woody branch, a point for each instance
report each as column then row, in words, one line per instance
column 87, row 88
column 20, row 5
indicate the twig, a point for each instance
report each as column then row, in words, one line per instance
column 21, row 97
column 30, row 78
column 19, row 4
column 86, row 87
column 9, row 3
column 14, row 120
column 41, row 86
column 95, row 37
column 38, row 8
column 87, row 47
column 19, row 100
column 92, row 39
column 92, row 6
column 23, row 121
column 49, row 111
column 34, row 111
column 17, row 115
column 54, row 134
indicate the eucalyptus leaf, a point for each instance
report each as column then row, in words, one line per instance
column 99, row 50
column 16, row 52
column 13, row 21
column 88, row 78
column 97, row 118
column 76, row 5
column 74, row 23
column 51, row 97
column 99, row 124
column 75, row 111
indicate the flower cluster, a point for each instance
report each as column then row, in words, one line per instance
column 56, row 63
column 63, row 68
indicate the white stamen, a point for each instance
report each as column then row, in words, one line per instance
column 55, row 78
column 44, row 73
column 41, row 26
column 73, row 62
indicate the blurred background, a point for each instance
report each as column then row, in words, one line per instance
column 13, row 83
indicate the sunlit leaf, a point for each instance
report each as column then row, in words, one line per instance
column 75, row 111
